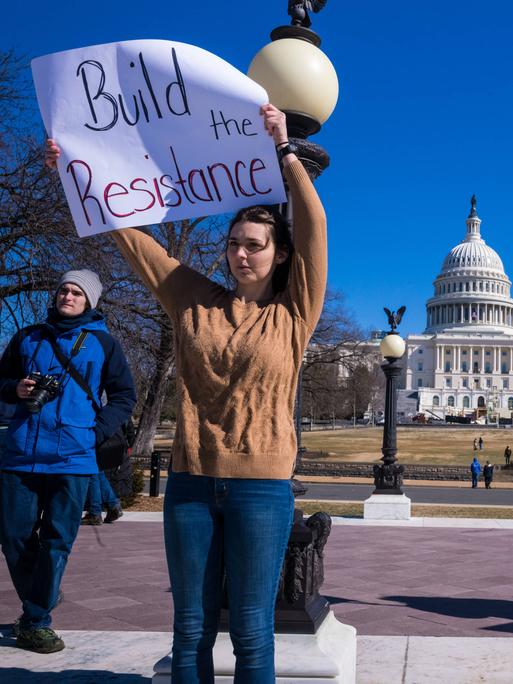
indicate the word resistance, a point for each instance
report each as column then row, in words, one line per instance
column 215, row 183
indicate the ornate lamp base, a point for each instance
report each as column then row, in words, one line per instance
column 388, row 478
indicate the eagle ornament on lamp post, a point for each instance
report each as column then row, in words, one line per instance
column 388, row 476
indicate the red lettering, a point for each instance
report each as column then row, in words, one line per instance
column 86, row 196
column 171, row 187
column 190, row 178
column 107, row 194
column 157, row 190
column 210, row 170
column 252, row 169
column 132, row 187
column 246, row 194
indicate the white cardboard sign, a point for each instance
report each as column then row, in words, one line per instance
column 153, row 131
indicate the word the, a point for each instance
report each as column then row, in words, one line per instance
column 93, row 81
column 240, row 129
column 168, row 190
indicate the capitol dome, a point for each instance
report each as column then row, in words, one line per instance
column 472, row 290
column 472, row 254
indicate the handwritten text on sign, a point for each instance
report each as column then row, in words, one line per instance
column 153, row 131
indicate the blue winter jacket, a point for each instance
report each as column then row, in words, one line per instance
column 475, row 467
column 62, row 437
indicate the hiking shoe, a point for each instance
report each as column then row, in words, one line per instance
column 42, row 640
column 113, row 514
column 90, row 519
column 16, row 625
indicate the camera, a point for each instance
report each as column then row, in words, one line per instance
column 46, row 388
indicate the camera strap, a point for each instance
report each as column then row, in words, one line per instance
column 70, row 368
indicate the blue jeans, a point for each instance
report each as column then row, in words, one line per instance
column 99, row 494
column 39, row 520
column 240, row 526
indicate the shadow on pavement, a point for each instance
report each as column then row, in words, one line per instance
column 467, row 608
column 333, row 600
column 19, row 674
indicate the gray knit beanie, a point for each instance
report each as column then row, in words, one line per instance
column 88, row 281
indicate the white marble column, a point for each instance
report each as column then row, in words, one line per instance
column 482, row 369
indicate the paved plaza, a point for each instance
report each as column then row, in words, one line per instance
column 428, row 591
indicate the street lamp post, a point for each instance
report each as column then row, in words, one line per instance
column 301, row 81
column 388, row 501
column 388, row 476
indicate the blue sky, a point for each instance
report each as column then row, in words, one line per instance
column 424, row 119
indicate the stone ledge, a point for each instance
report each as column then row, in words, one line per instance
column 411, row 472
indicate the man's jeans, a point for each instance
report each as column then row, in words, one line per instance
column 100, row 493
column 240, row 525
column 39, row 520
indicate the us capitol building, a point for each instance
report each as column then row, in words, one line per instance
column 462, row 364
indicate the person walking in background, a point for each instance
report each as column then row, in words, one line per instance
column 100, row 495
column 481, row 443
column 49, row 452
column 475, row 444
column 507, row 455
column 475, row 469
column 488, row 474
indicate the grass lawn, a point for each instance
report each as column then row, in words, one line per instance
column 450, row 446
column 352, row 509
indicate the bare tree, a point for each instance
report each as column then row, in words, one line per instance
column 334, row 349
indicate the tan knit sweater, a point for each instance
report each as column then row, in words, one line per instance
column 237, row 363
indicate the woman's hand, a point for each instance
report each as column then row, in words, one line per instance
column 275, row 123
column 24, row 388
column 52, row 153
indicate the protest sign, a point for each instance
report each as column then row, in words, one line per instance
column 153, row 131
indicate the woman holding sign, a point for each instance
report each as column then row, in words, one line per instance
column 229, row 505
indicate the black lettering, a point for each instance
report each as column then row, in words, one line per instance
column 144, row 107
column 124, row 114
column 224, row 122
column 150, row 86
column 181, row 85
column 247, row 122
column 99, row 93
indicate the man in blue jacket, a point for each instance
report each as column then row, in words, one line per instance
column 49, row 451
column 475, row 470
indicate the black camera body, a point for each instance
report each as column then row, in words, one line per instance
column 47, row 387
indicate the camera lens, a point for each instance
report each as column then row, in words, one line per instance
column 37, row 401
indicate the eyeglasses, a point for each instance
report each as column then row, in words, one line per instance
column 65, row 291
column 250, row 247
